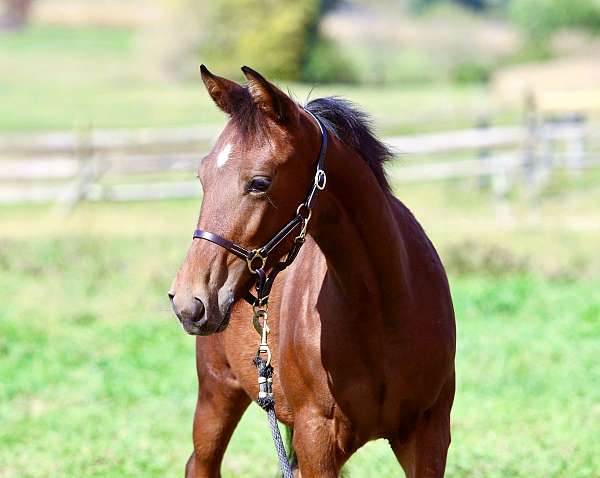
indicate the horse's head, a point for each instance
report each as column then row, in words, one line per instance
column 257, row 174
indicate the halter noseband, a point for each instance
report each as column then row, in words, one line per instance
column 256, row 259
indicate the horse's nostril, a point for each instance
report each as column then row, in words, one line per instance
column 199, row 312
column 171, row 296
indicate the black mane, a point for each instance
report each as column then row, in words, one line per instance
column 352, row 126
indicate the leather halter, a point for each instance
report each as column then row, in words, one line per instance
column 256, row 259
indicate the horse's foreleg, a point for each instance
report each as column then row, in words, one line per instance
column 218, row 411
column 317, row 447
column 423, row 454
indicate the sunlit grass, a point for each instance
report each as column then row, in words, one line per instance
column 98, row 379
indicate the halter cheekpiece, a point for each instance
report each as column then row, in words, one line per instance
column 256, row 260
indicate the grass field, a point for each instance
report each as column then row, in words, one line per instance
column 97, row 379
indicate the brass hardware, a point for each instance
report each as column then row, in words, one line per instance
column 302, row 234
column 260, row 309
column 256, row 255
column 299, row 211
column 265, row 349
column 260, row 313
column 263, row 330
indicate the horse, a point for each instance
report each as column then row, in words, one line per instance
column 362, row 323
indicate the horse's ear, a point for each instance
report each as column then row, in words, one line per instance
column 270, row 99
column 225, row 93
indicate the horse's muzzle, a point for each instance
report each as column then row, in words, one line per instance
column 195, row 318
column 190, row 312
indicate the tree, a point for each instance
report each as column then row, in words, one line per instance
column 273, row 36
column 540, row 18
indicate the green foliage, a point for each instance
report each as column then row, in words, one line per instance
column 272, row 36
column 327, row 63
column 421, row 5
column 540, row 18
column 473, row 257
column 379, row 63
column 472, row 71
column 530, row 51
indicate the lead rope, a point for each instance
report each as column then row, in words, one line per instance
column 265, row 386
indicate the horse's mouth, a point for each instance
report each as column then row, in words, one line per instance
column 225, row 321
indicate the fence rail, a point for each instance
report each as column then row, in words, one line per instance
column 100, row 165
column 74, row 142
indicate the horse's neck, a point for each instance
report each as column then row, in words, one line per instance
column 357, row 231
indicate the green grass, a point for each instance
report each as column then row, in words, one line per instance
column 77, row 42
column 54, row 77
column 97, row 379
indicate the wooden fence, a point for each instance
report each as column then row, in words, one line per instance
column 159, row 164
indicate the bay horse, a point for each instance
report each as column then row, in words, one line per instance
column 362, row 323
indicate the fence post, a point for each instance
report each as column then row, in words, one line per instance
column 87, row 172
column 547, row 157
column 530, row 159
column 575, row 148
column 483, row 154
column 501, row 188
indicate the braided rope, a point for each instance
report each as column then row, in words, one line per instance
column 267, row 403
column 284, row 464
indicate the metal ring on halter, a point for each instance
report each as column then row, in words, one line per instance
column 256, row 255
column 320, row 179
column 299, row 211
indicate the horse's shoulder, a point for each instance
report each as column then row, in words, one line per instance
column 420, row 249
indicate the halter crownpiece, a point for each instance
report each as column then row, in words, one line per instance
column 256, row 259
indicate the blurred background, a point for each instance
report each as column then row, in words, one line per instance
column 494, row 109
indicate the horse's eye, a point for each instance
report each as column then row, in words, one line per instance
column 258, row 184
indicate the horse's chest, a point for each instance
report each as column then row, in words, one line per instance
column 325, row 371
